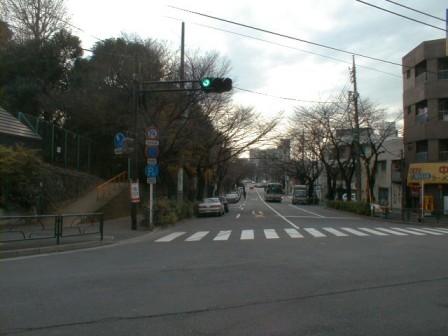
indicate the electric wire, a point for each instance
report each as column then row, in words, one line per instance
column 401, row 15
column 415, row 10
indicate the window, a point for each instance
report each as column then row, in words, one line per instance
column 420, row 68
column 443, row 68
column 409, row 109
column 422, row 151
column 443, row 150
column 422, row 112
column 382, row 166
column 383, row 195
column 443, row 109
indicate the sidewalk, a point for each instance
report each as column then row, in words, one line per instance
column 115, row 231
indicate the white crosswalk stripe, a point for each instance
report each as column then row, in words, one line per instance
column 170, row 237
column 409, row 231
column 223, row 235
column 293, row 233
column 337, row 233
column 375, row 232
column 197, row 236
column 428, row 231
column 247, row 235
column 315, row 233
column 392, row 232
column 269, row 234
column 355, row 232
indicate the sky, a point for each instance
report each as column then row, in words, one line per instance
column 300, row 68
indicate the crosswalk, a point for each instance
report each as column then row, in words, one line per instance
column 290, row 233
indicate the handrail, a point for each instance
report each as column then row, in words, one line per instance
column 103, row 189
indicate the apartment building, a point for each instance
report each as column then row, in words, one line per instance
column 425, row 107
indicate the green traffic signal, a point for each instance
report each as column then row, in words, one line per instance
column 216, row 84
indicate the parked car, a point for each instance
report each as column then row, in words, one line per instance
column 232, row 197
column 211, row 206
column 224, row 201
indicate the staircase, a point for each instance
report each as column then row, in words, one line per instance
column 98, row 197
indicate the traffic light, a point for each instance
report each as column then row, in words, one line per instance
column 127, row 145
column 216, row 84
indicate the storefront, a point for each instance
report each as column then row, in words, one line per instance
column 428, row 187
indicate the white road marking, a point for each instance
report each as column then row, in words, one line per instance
column 170, row 237
column 375, row 232
column 197, row 236
column 270, row 234
column 293, row 233
column 409, row 231
column 392, row 232
column 428, row 231
column 315, row 233
column 247, row 235
column 223, row 235
column 335, row 232
column 355, row 232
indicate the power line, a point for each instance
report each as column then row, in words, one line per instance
column 403, row 16
column 415, row 10
column 286, row 36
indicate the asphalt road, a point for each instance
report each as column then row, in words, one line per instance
column 262, row 269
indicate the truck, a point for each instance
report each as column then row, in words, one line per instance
column 273, row 192
column 299, row 194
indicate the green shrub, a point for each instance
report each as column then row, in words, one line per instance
column 19, row 170
column 360, row 208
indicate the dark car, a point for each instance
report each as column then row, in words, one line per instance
column 223, row 200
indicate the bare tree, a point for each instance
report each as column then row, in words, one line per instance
column 34, row 19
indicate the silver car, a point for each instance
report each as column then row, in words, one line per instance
column 211, row 206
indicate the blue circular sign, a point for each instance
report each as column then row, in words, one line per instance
column 152, row 152
column 152, row 171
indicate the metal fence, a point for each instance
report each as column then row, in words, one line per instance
column 62, row 147
column 58, row 227
column 416, row 215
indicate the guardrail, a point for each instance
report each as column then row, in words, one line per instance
column 105, row 188
column 410, row 214
column 27, row 228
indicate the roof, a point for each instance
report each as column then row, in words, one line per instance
column 11, row 126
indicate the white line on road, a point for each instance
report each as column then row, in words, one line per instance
column 409, row 231
column 197, row 236
column 307, row 211
column 315, row 233
column 223, row 235
column 270, row 234
column 428, row 232
column 335, row 232
column 392, row 232
column 293, row 233
column 238, row 216
column 170, row 237
column 247, row 235
column 355, row 232
column 375, row 232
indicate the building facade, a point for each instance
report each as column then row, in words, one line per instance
column 425, row 108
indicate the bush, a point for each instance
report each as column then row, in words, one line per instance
column 360, row 208
column 168, row 214
column 20, row 172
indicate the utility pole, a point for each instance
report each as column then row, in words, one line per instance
column 134, row 172
column 356, row 136
column 180, row 168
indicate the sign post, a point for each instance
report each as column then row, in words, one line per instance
column 151, row 170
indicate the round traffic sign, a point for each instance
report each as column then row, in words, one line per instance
column 152, row 133
column 152, row 152
column 152, row 170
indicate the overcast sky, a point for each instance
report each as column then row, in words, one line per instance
column 273, row 65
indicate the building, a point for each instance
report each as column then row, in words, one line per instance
column 14, row 132
column 425, row 108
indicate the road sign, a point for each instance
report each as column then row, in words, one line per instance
column 152, row 171
column 152, row 133
column 422, row 176
column 152, row 152
column 118, row 140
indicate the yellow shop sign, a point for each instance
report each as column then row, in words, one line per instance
column 428, row 173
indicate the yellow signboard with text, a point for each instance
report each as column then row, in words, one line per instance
column 436, row 173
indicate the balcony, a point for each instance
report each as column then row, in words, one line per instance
column 421, row 118
column 422, row 157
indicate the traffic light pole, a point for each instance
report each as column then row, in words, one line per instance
column 134, row 171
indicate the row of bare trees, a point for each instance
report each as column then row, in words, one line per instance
column 45, row 74
column 323, row 139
